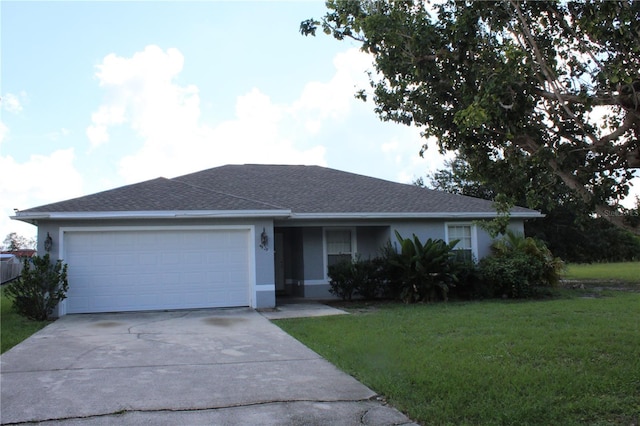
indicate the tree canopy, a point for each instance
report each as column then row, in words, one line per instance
column 13, row 242
column 547, row 87
column 568, row 230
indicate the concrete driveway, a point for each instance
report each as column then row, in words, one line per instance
column 213, row 367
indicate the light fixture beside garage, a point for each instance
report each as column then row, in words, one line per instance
column 48, row 243
column 264, row 240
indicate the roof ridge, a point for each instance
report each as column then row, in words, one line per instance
column 226, row 193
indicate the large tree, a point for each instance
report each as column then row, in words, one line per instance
column 542, row 85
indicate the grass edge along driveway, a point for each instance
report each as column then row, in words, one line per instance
column 14, row 328
column 561, row 361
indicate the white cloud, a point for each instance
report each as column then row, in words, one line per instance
column 142, row 93
column 334, row 99
column 12, row 103
column 105, row 116
column 324, row 120
column 139, row 91
column 40, row 180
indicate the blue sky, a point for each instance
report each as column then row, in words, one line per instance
column 96, row 95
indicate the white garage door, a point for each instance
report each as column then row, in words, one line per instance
column 150, row 269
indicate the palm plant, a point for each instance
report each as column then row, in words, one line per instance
column 426, row 269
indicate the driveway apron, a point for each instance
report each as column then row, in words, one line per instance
column 218, row 366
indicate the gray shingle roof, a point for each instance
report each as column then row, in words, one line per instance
column 301, row 189
column 154, row 195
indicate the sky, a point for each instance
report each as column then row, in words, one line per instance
column 97, row 95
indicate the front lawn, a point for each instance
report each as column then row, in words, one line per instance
column 14, row 328
column 562, row 361
column 619, row 271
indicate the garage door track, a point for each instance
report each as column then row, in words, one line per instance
column 217, row 366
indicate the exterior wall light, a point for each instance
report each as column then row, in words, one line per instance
column 264, row 240
column 48, row 243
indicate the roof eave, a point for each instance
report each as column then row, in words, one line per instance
column 160, row 214
column 415, row 215
column 279, row 214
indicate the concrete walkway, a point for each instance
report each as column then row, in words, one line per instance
column 299, row 308
column 213, row 367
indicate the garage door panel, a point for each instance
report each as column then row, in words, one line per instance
column 143, row 270
column 171, row 259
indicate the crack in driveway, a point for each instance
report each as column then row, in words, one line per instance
column 361, row 415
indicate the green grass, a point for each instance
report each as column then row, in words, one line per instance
column 563, row 361
column 14, row 328
column 620, row 271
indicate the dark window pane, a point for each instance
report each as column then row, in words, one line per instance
column 334, row 259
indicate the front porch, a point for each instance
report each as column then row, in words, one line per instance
column 302, row 256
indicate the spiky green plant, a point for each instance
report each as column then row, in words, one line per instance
column 426, row 268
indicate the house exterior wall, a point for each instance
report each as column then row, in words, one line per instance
column 265, row 292
column 422, row 229
column 305, row 266
column 371, row 239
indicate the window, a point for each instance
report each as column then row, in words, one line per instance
column 465, row 249
column 340, row 245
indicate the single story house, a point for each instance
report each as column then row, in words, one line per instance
column 238, row 235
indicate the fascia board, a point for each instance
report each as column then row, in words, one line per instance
column 282, row 214
column 412, row 215
column 161, row 214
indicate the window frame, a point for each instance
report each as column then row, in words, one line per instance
column 325, row 251
column 473, row 234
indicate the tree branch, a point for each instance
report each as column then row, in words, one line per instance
column 612, row 216
column 565, row 25
column 546, row 70
column 575, row 99
column 627, row 124
column 602, row 210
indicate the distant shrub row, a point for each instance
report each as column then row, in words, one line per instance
column 423, row 272
column 584, row 241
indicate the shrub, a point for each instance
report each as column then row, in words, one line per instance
column 519, row 267
column 425, row 271
column 356, row 276
column 390, row 273
column 469, row 284
column 511, row 276
column 369, row 284
column 41, row 286
column 341, row 281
